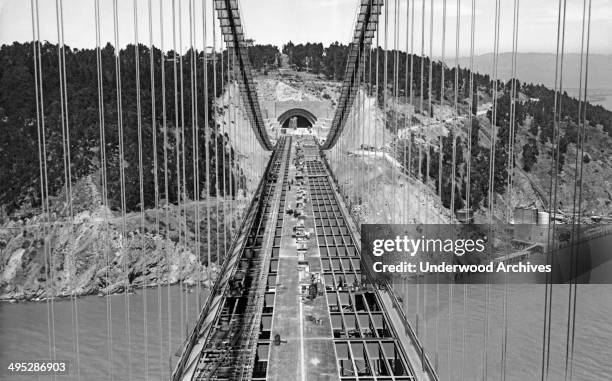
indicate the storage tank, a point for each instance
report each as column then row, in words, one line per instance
column 543, row 217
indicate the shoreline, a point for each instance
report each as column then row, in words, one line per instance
column 206, row 284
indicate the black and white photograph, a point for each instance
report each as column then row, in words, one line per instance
column 343, row 190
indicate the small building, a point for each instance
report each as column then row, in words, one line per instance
column 524, row 215
column 465, row 215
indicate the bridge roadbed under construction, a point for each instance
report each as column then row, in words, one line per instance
column 298, row 306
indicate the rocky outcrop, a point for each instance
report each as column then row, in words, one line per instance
column 92, row 255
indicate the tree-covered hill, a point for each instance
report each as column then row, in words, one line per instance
column 87, row 120
column 413, row 78
column 417, row 78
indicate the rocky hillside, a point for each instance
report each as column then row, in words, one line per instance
column 100, row 251
column 86, row 247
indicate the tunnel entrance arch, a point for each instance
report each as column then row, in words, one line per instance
column 303, row 118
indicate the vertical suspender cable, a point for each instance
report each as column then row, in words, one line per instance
column 406, row 134
column 430, row 115
column 582, row 138
column 155, row 175
column 453, row 137
column 440, row 165
column 491, row 175
column 456, row 113
column 428, row 147
column 166, row 174
column 411, row 84
column 395, row 139
column 183, row 185
column 576, row 209
column 553, row 185
column 228, row 144
column 221, row 133
column 375, row 103
column 216, row 134
column 194, row 155
column 442, row 83
column 361, row 95
column 44, row 183
column 177, row 148
column 140, row 178
column 206, row 139
column 406, row 141
column 468, row 175
column 59, row 9
column 195, row 147
column 384, row 90
column 422, row 88
column 557, row 139
column 510, row 169
column 64, row 109
column 122, row 183
column 230, row 141
column 104, row 181
column 420, row 135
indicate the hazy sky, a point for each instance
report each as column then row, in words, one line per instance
column 278, row 21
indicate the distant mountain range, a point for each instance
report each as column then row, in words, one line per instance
column 540, row 68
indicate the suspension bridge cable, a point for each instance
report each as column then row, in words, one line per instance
column 140, row 177
column 468, row 174
column 44, row 183
column 182, row 201
column 231, row 117
column 420, row 160
column 440, row 165
column 456, row 113
column 177, row 148
column 582, row 138
column 361, row 96
column 421, row 92
column 491, row 178
column 553, row 183
column 216, row 134
column 557, row 144
column 405, row 131
column 510, row 169
column 453, row 136
column 384, row 89
column 104, row 181
column 65, row 125
column 430, row 115
column 406, row 141
column 206, row 138
column 155, row 176
column 395, row 104
column 122, row 182
column 428, row 150
column 577, row 215
column 194, row 151
column 411, row 83
column 166, row 179
column 375, row 101
column 221, row 132
column 442, row 83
